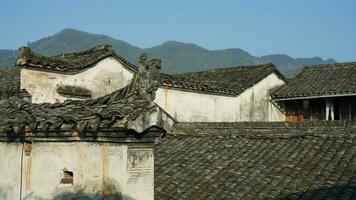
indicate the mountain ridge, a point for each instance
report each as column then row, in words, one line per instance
column 177, row 57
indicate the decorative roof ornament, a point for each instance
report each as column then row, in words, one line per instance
column 149, row 75
column 24, row 55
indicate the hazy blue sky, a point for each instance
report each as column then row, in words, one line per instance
column 299, row 28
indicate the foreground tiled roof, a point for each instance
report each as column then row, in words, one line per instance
column 78, row 115
column 228, row 81
column 69, row 62
column 321, row 80
column 257, row 161
column 9, row 82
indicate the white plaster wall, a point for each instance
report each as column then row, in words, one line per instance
column 186, row 106
column 105, row 77
column 109, row 75
column 252, row 105
column 10, row 166
column 97, row 167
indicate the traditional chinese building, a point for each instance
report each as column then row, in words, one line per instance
column 83, row 125
column 323, row 92
column 100, row 148
column 228, row 94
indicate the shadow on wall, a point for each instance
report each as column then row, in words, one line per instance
column 76, row 196
column 347, row 192
column 87, row 196
column 109, row 191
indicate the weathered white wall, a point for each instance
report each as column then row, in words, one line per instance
column 186, row 106
column 252, row 105
column 105, row 77
column 98, row 168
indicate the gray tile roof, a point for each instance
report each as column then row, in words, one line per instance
column 257, row 161
column 320, row 80
column 77, row 115
column 69, row 62
column 121, row 107
column 226, row 81
column 73, row 91
column 9, row 82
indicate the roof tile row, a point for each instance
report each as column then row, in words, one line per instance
column 202, row 163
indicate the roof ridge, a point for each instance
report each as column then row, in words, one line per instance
column 251, row 124
column 99, row 48
column 256, row 134
column 264, row 130
column 229, row 68
column 68, row 62
column 31, row 53
column 330, row 65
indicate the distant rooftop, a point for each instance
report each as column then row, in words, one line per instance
column 227, row 81
column 320, row 80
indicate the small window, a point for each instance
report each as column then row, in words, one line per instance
column 67, row 177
